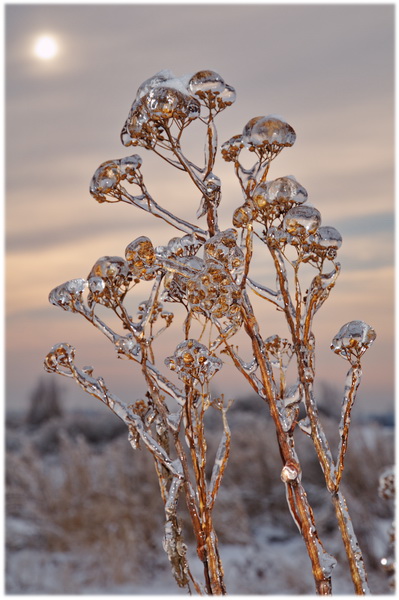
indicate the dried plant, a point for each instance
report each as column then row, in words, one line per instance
column 207, row 271
column 386, row 490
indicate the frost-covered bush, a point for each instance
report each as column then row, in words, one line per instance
column 206, row 270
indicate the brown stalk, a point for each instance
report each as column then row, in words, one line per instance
column 321, row 444
column 300, row 504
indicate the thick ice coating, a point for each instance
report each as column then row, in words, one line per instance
column 302, row 220
column 275, row 198
column 269, row 131
column 353, row 339
column 140, row 255
column 193, row 361
column 164, row 98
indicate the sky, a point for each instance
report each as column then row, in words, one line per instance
column 328, row 69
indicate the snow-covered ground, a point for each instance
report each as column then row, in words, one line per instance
column 84, row 516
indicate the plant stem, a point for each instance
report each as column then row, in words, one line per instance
column 297, row 497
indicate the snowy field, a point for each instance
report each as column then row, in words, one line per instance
column 84, row 514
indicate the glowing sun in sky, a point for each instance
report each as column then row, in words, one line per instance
column 45, row 47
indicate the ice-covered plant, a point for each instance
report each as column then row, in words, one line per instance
column 207, row 271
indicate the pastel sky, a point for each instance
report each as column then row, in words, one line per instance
column 328, row 69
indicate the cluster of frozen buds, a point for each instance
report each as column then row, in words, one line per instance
column 279, row 349
column 280, row 206
column 107, row 178
column 60, row 359
column 352, row 340
column 193, row 361
column 210, row 284
column 165, row 99
column 266, row 136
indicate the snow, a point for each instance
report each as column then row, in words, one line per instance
column 85, row 518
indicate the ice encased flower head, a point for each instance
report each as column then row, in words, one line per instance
column 213, row 292
column 60, row 359
column 302, row 220
column 206, row 81
column 211, row 88
column 326, row 242
column 108, row 280
column 277, row 197
column 110, row 173
column 68, row 295
column 244, row 214
column 232, row 148
column 270, row 132
column 167, row 102
column 105, row 180
column 159, row 99
column 352, row 340
column 223, row 248
column 193, row 361
column 140, row 255
column 279, row 349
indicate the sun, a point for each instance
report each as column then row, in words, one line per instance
column 46, row 47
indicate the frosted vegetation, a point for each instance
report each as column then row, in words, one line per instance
column 85, row 515
column 206, row 270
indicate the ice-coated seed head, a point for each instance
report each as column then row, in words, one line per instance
column 276, row 198
column 279, row 349
column 302, row 221
column 286, row 189
column 328, row 237
column 232, row 148
column 152, row 82
column 167, row 102
column 60, row 358
column 227, row 97
column 105, row 180
column 352, row 340
column 206, row 81
column 129, row 165
column 68, row 295
column 162, row 102
column 269, row 131
column 108, row 280
column 193, row 361
column 223, row 248
column 112, row 268
column 140, row 255
column 245, row 214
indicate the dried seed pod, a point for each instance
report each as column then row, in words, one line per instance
column 302, row 221
column 268, row 135
column 60, row 358
column 193, row 361
column 231, row 149
column 277, row 197
column 69, row 294
column 108, row 280
column 245, row 214
column 140, row 255
column 206, row 82
column 352, row 340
